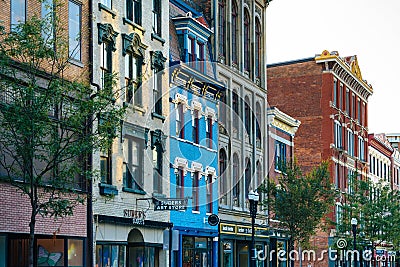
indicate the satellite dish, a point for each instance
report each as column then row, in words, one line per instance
column 213, row 220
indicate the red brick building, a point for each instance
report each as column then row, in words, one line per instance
column 58, row 241
column 329, row 96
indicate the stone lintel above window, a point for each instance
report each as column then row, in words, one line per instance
column 157, row 60
column 132, row 43
column 107, row 34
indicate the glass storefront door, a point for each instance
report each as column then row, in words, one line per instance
column 196, row 251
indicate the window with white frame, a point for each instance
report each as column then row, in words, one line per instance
column 74, row 30
column 157, row 17
column 280, row 155
column 195, row 191
column 209, row 131
column 338, row 134
column 133, row 163
column 107, row 3
column 350, row 142
column 134, row 11
column 179, row 121
column 361, row 148
column 209, row 193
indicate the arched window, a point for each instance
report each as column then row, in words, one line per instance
column 247, row 116
column 235, row 107
column 259, row 173
column 222, row 28
column 246, row 31
column 235, row 34
column 258, row 124
column 258, row 49
column 247, row 175
column 223, row 183
column 236, row 180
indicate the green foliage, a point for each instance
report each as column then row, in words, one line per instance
column 300, row 202
column 377, row 209
column 48, row 124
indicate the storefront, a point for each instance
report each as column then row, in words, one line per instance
column 198, row 248
column 235, row 244
column 132, row 242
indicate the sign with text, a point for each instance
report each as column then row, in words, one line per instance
column 170, row 204
column 138, row 216
column 233, row 229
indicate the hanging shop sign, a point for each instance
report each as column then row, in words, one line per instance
column 170, row 204
column 137, row 216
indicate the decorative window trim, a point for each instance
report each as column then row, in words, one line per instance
column 132, row 43
column 157, row 60
column 181, row 99
column 135, row 131
column 157, row 138
column 211, row 171
column 196, row 105
column 197, row 167
column 107, row 35
column 181, row 163
column 210, row 112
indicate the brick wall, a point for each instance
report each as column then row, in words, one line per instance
column 15, row 216
column 76, row 70
column 296, row 90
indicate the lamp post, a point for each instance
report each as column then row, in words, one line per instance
column 253, row 199
column 354, row 229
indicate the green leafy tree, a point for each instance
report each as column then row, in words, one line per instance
column 49, row 126
column 300, row 202
column 376, row 206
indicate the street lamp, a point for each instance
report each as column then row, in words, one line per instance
column 354, row 229
column 253, row 199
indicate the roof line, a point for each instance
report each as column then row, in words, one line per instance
column 290, row 62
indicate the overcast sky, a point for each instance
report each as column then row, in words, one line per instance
column 369, row 29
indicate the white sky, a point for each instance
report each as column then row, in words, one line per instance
column 369, row 29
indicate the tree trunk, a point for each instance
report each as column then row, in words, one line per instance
column 32, row 238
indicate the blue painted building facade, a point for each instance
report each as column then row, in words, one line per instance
column 193, row 95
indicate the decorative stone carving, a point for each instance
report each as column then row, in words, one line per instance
column 133, row 44
column 107, row 35
column 157, row 60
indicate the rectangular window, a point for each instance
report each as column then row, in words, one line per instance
column 335, row 93
column 47, row 18
column 280, row 155
column 195, row 124
column 107, row 3
column 157, row 91
column 353, row 115
column 338, row 135
column 133, row 72
column 209, row 191
column 74, row 30
column 157, row 168
column 18, row 12
column 195, row 192
column 180, row 184
column 105, row 167
column 209, row 132
column 110, row 255
column 133, row 161
column 350, row 143
column 359, row 111
column 340, row 97
column 347, row 101
column 134, row 11
column 180, row 127
column 192, row 51
column 361, row 148
column 200, row 56
column 157, row 17
column 106, row 65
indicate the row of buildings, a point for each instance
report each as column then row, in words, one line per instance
column 198, row 136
